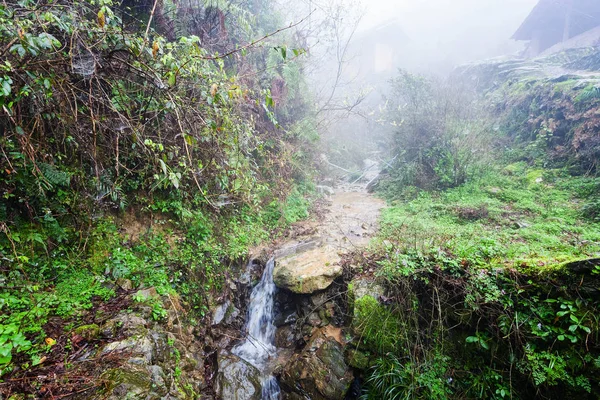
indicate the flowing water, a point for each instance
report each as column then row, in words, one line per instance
column 259, row 346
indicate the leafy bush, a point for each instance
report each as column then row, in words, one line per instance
column 392, row 379
column 439, row 140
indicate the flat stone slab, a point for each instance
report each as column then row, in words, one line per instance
column 309, row 271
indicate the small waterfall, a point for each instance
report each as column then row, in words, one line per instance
column 259, row 344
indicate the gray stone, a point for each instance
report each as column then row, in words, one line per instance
column 319, row 372
column 361, row 287
column 313, row 319
column 285, row 317
column 326, row 190
column 237, row 379
column 140, row 347
column 130, row 324
column 286, row 338
column 232, row 314
column 148, row 293
column 308, row 272
column 129, row 383
column 158, row 379
column 124, row 284
column 219, row 313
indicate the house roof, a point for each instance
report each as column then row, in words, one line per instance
column 549, row 16
column 390, row 30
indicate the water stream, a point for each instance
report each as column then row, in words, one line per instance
column 259, row 346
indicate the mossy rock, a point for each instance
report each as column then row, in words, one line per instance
column 128, row 384
column 515, row 168
column 358, row 359
column 535, row 177
column 320, row 371
column 88, row 332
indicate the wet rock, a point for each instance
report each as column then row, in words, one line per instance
column 232, row 314
column 319, row 372
column 139, row 347
column 219, row 313
column 285, row 317
column 158, row 379
column 308, row 272
column 160, row 346
column 225, row 313
column 129, row 383
column 130, row 324
column 237, row 379
column 286, row 337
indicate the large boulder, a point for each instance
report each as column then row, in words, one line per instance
column 309, row 271
column 319, row 372
column 237, row 379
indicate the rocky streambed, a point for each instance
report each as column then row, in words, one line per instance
column 314, row 356
column 280, row 330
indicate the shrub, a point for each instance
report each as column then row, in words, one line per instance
column 439, row 140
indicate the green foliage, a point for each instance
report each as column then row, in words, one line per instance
column 392, row 379
column 378, row 327
column 527, row 223
column 589, row 93
column 438, row 139
column 76, row 290
column 158, row 310
column 483, row 269
column 104, row 123
column 552, row 123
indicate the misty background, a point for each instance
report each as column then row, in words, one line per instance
column 445, row 33
column 356, row 48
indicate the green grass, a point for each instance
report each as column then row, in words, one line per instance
column 511, row 217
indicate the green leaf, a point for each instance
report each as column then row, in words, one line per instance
column 19, row 49
column 163, row 166
column 574, row 318
column 6, row 87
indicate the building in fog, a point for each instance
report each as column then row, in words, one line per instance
column 378, row 52
column 557, row 21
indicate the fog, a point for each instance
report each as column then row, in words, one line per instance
column 356, row 47
column 445, row 33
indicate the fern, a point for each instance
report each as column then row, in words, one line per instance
column 588, row 94
column 54, row 177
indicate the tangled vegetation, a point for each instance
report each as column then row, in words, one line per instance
column 492, row 275
column 150, row 142
column 440, row 136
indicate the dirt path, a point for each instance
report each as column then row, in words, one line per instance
column 310, row 263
